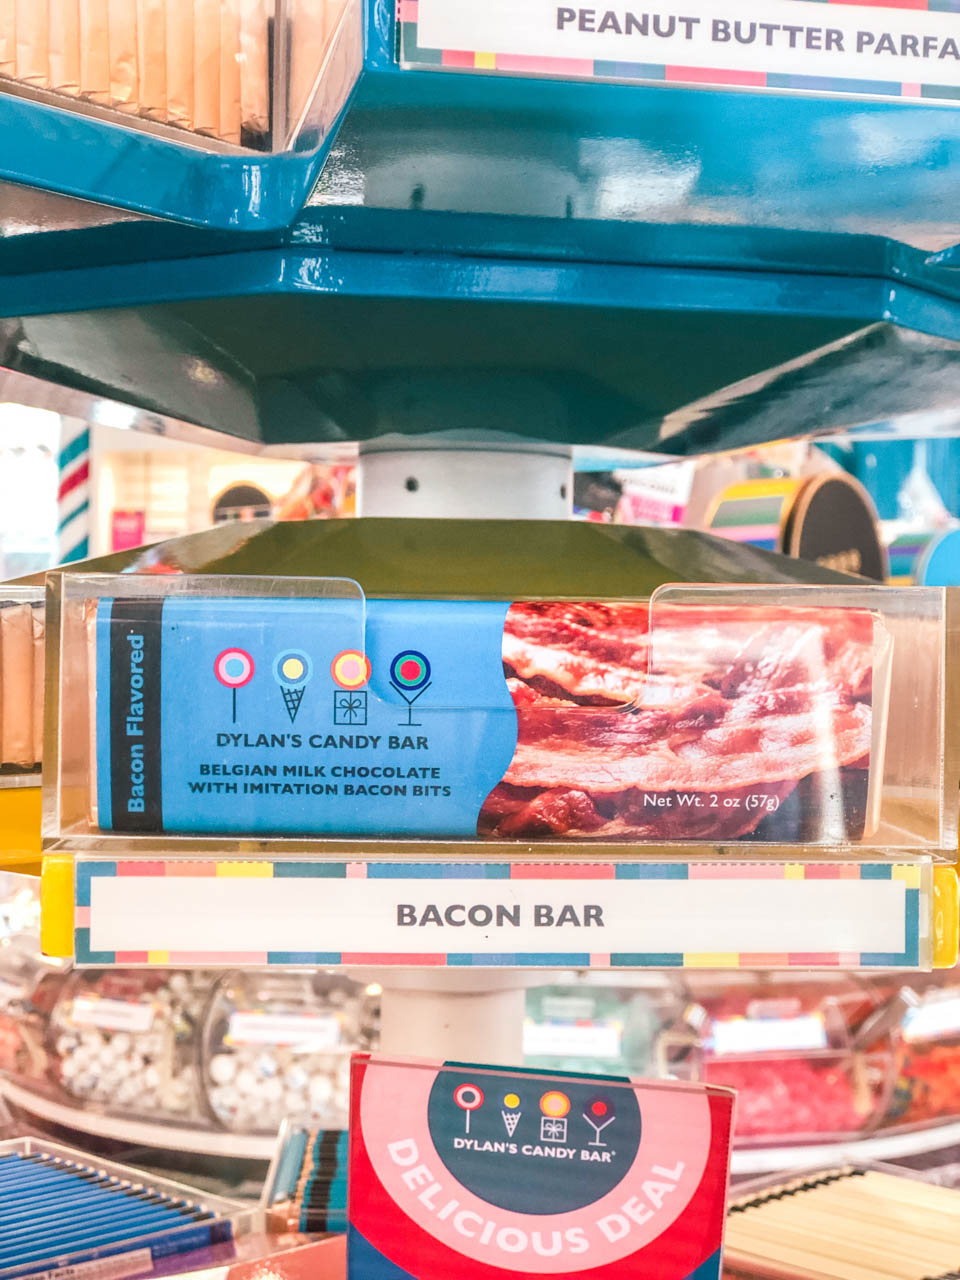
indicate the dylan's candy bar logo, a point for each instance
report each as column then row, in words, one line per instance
column 575, row 1142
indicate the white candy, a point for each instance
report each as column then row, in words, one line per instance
column 247, row 1082
column 271, row 1090
column 321, row 1091
column 266, row 1064
column 128, row 1090
column 122, row 1042
column 223, row 1068
column 297, row 1078
column 225, row 1098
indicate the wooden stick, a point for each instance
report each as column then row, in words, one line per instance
column 801, row 1264
column 893, row 1252
column 914, row 1219
column 846, row 1225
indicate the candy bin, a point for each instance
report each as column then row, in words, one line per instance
column 810, row 1060
column 603, row 1022
column 279, row 1044
column 29, row 986
column 928, row 1060
column 126, row 1041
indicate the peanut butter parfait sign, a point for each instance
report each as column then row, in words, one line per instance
column 885, row 48
column 474, row 1171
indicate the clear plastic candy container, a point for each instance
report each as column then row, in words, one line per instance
column 810, row 1060
column 604, row 1024
column 29, row 984
column 280, row 1044
column 928, row 1062
column 126, row 1041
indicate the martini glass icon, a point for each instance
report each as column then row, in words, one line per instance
column 598, row 1113
column 410, row 674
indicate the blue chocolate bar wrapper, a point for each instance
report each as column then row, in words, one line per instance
column 250, row 715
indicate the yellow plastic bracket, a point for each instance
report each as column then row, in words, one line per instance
column 946, row 917
column 56, row 905
column 19, row 827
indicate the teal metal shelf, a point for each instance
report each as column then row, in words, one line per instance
column 739, row 175
column 630, row 266
column 289, row 346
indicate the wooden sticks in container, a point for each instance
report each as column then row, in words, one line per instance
column 846, row 1224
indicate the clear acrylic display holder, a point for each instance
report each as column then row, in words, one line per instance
column 76, row 603
column 222, row 75
column 839, row 698
column 749, row 719
column 21, row 686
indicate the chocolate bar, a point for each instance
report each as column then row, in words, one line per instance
column 452, row 719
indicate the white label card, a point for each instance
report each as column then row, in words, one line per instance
column 112, row 1015
column 848, row 44
column 306, row 1032
column 394, row 917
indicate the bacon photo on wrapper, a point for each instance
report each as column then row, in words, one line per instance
column 713, row 724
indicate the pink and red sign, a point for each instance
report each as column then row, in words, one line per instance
column 474, row 1171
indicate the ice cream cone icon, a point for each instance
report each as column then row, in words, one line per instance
column 292, row 699
column 292, row 670
column 511, row 1113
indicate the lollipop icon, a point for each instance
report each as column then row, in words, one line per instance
column 469, row 1098
column 291, row 670
column 233, row 668
column 410, row 674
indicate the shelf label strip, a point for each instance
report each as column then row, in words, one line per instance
column 877, row 48
column 199, row 911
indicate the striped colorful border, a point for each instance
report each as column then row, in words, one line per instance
column 186, row 870
column 411, row 54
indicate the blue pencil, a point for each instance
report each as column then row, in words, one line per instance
column 78, row 1237
column 73, row 1189
column 90, row 1211
column 160, row 1246
column 87, row 1228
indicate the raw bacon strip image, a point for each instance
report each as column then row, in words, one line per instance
column 710, row 724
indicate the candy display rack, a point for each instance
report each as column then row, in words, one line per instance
column 460, row 274
column 224, row 899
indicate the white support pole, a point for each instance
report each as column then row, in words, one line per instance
column 490, row 482
column 460, row 1014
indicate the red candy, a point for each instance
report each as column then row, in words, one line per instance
column 788, row 1097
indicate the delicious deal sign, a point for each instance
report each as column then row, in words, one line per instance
column 473, row 1171
column 891, row 48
